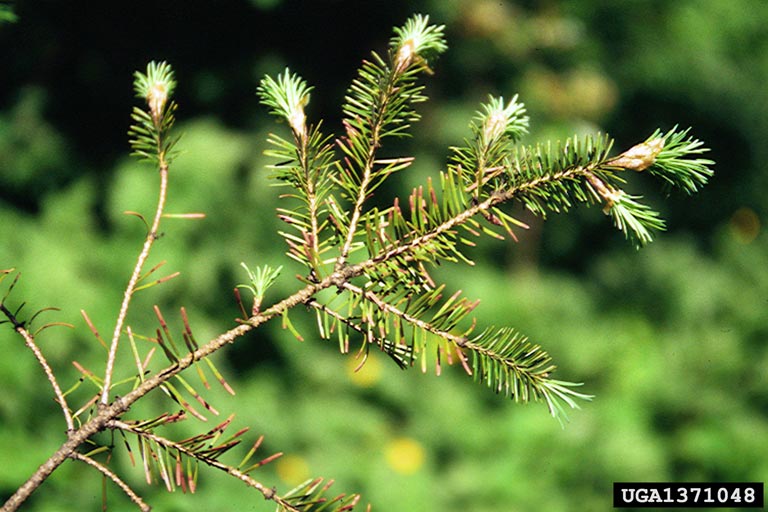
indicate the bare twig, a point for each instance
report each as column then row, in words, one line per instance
column 116, row 479
column 151, row 237
column 30, row 342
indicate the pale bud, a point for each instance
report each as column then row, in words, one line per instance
column 405, row 55
column 156, row 98
column 639, row 157
column 297, row 119
column 495, row 126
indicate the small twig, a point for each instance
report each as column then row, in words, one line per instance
column 312, row 245
column 116, row 479
column 129, row 290
column 30, row 342
column 370, row 160
column 476, row 209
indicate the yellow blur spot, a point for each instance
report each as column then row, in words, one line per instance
column 405, row 455
column 745, row 225
column 292, row 469
column 366, row 375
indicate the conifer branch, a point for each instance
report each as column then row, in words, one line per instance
column 387, row 288
column 198, row 449
column 507, row 363
column 377, row 106
column 503, row 360
column 303, row 164
column 153, row 142
column 208, row 457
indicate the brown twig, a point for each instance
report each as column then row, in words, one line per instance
column 116, row 479
column 30, row 342
column 129, row 290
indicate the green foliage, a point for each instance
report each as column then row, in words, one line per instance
column 260, row 281
column 33, row 154
column 673, row 165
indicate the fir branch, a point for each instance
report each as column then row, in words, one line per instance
column 207, row 457
column 543, row 179
column 379, row 104
column 504, row 360
column 396, row 292
column 200, row 448
column 152, row 141
column 532, row 178
column 303, row 164
column 507, row 363
column 581, row 171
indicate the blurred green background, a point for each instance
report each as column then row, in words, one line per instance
column 671, row 339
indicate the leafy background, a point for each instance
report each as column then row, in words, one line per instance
column 671, row 339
